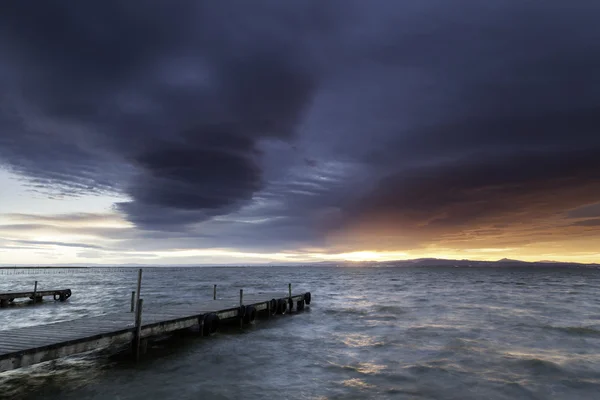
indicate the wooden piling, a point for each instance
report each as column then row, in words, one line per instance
column 138, row 329
column 132, row 301
column 241, row 305
column 290, row 302
column 34, row 292
column 139, row 287
column 143, row 346
column 214, row 292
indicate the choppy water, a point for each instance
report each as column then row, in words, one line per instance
column 427, row 333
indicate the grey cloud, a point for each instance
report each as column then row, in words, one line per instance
column 586, row 211
column 59, row 218
column 588, row 222
column 21, row 227
column 53, row 243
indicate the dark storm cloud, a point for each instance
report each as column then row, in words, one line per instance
column 162, row 102
column 519, row 186
column 306, row 118
column 514, row 138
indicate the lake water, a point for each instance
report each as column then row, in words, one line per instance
column 389, row 333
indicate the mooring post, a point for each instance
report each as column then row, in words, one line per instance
column 214, row 292
column 133, row 301
column 241, row 305
column 139, row 287
column 34, row 292
column 290, row 302
column 138, row 329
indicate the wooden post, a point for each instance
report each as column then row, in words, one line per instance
column 137, row 336
column 139, row 287
column 133, row 301
column 241, row 305
column 290, row 302
column 143, row 346
column 215, row 292
column 34, row 292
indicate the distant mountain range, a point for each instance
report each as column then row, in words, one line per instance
column 419, row 262
column 503, row 263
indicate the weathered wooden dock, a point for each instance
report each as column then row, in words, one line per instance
column 35, row 295
column 31, row 345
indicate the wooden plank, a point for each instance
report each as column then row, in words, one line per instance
column 20, row 345
column 56, row 336
column 23, row 360
column 7, row 349
column 41, row 346
column 50, row 330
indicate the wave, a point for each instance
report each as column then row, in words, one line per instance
column 576, row 330
column 390, row 309
column 365, row 368
column 346, row 311
column 540, row 366
column 437, row 329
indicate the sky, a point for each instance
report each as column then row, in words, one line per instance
column 198, row 132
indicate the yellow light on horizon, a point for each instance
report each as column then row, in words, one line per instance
column 365, row 255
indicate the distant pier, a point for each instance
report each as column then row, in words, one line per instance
column 35, row 295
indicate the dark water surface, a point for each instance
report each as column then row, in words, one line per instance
column 427, row 333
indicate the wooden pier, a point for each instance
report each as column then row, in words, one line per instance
column 35, row 295
column 35, row 344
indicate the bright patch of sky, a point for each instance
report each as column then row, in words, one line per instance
column 16, row 197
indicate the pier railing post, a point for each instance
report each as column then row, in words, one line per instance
column 138, row 329
column 133, row 301
column 214, row 292
column 34, row 292
column 139, row 287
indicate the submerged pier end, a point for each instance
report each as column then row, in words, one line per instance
column 36, row 295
